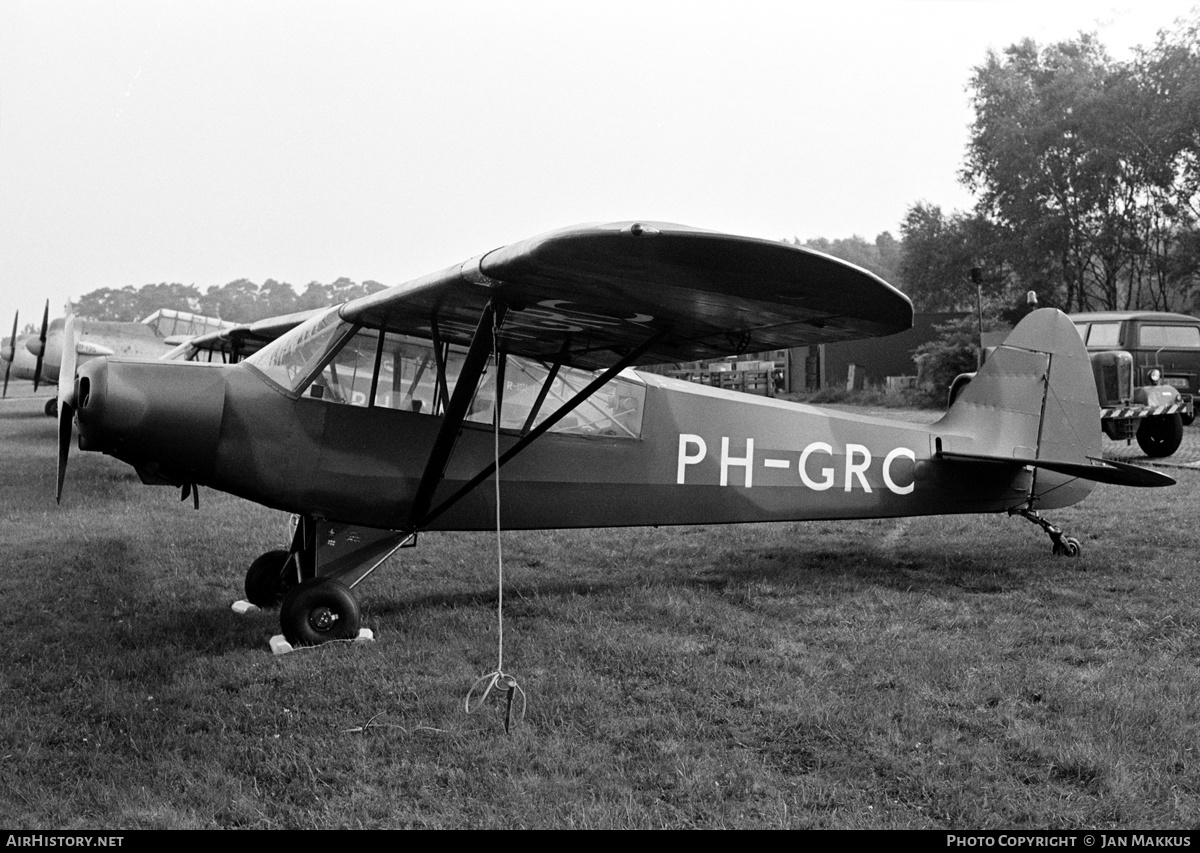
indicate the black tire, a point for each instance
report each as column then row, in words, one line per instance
column 1160, row 435
column 318, row 610
column 265, row 581
column 51, row 408
column 1187, row 419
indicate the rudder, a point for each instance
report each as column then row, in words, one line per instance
column 1033, row 400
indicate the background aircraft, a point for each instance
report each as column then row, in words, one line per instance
column 38, row 356
column 382, row 417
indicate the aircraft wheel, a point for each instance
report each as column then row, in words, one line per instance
column 1186, row 420
column 318, row 610
column 51, row 408
column 1160, row 435
column 1068, row 546
column 265, row 583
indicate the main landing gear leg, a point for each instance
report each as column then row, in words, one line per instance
column 1064, row 546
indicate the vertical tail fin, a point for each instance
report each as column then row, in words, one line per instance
column 1034, row 398
column 1034, row 402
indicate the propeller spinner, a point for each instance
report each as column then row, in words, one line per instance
column 66, row 399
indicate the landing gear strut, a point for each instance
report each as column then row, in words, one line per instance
column 312, row 581
column 1063, row 546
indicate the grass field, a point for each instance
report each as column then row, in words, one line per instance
column 920, row 673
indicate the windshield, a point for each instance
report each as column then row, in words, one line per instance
column 292, row 358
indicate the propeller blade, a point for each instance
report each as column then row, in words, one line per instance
column 66, row 413
column 12, row 352
column 37, row 370
column 66, row 400
column 70, row 360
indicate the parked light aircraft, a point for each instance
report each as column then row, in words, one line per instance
column 39, row 356
column 380, row 418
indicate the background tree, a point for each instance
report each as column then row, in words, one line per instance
column 1086, row 167
column 881, row 257
column 241, row 300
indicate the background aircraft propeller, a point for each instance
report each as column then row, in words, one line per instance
column 66, row 400
column 12, row 352
column 37, row 370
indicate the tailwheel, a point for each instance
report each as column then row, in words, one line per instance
column 318, row 610
column 1067, row 546
column 266, row 582
column 1063, row 546
column 51, row 408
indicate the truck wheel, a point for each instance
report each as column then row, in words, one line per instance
column 1160, row 435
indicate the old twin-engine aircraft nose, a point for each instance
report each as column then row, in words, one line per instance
column 163, row 418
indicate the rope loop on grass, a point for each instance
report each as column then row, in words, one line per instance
column 511, row 689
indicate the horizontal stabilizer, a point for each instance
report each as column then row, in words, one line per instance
column 1100, row 471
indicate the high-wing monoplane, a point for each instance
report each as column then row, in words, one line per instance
column 38, row 356
column 380, row 418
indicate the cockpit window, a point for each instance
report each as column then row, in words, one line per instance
column 328, row 360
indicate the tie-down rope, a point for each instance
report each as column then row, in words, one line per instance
column 486, row 683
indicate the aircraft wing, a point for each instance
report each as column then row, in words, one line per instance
column 590, row 294
column 238, row 342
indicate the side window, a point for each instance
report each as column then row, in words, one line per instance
column 347, row 378
column 1082, row 328
column 407, row 380
column 614, row 410
column 1104, row 335
column 1175, row 337
column 407, row 377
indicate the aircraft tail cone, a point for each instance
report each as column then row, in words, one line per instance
column 41, row 353
column 66, row 401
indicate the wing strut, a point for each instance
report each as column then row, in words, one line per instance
column 545, row 389
column 456, row 411
column 533, row 434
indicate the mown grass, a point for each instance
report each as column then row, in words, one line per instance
column 943, row 672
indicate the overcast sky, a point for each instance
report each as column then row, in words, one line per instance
column 202, row 142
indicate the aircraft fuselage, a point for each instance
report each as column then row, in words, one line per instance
column 701, row 455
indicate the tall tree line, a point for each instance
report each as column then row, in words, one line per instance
column 242, row 300
column 1086, row 172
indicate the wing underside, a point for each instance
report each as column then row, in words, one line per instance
column 590, row 295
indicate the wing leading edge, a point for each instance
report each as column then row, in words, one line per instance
column 589, row 295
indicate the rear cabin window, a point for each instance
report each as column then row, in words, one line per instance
column 1174, row 337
